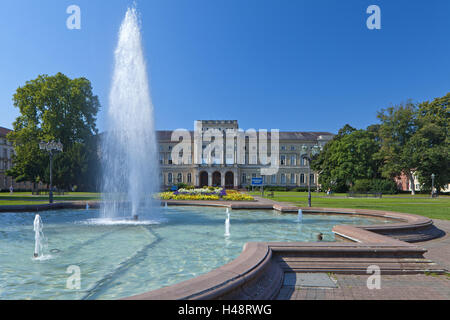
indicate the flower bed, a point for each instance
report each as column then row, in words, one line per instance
column 209, row 193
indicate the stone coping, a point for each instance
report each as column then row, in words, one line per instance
column 237, row 279
column 255, row 274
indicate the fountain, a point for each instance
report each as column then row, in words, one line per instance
column 129, row 153
column 227, row 224
column 39, row 238
column 87, row 206
column 300, row 215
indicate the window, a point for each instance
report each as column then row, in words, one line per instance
column 293, row 158
column 264, row 160
column 179, row 178
column 169, row 178
column 311, row 178
column 304, row 161
column 244, row 178
column 283, row 148
column 274, row 179
column 170, row 158
column 189, row 178
column 283, row 160
column 292, row 148
column 292, row 178
column 283, row 178
column 161, row 158
column 302, row 178
column 253, row 175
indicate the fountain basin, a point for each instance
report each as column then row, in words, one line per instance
column 121, row 258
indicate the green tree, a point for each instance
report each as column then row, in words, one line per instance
column 398, row 125
column 346, row 158
column 55, row 108
column 431, row 142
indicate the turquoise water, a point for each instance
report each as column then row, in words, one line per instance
column 121, row 258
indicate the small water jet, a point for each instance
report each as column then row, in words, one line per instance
column 227, row 225
column 87, row 206
column 300, row 215
column 39, row 238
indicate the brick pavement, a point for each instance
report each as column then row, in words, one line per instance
column 393, row 287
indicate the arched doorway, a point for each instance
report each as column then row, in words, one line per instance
column 203, row 179
column 216, row 179
column 229, row 180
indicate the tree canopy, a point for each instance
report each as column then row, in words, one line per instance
column 346, row 158
column 411, row 139
column 61, row 109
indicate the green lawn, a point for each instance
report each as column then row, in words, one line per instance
column 20, row 198
column 438, row 208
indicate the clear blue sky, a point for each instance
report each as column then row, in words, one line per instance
column 305, row 65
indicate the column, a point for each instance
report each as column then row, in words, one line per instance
column 222, row 179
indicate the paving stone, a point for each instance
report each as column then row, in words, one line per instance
column 314, row 280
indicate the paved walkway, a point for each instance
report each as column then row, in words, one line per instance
column 393, row 287
column 354, row 287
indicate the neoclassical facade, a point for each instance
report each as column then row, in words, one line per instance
column 294, row 150
column 6, row 154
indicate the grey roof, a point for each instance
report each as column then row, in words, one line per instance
column 284, row 135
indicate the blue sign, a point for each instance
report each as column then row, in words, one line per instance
column 257, row 181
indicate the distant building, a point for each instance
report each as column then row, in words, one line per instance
column 6, row 154
column 404, row 184
column 294, row 148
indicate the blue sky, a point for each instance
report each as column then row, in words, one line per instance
column 299, row 65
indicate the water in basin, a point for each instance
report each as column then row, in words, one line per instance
column 119, row 258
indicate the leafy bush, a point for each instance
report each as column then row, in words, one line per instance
column 302, row 189
column 275, row 188
column 374, row 185
column 182, row 185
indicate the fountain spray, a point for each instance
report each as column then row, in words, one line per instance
column 129, row 147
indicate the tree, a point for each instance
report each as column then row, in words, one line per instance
column 55, row 108
column 346, row 158
column 398, row 125
column 431, row 142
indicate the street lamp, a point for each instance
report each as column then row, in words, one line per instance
column 432, row 184
column 314, row 151
column 51, row 147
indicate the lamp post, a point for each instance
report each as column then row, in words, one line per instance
column 51, row 147
column 432, row 184
column 314, row 151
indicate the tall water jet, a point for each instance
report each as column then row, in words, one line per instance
column 129, row 152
